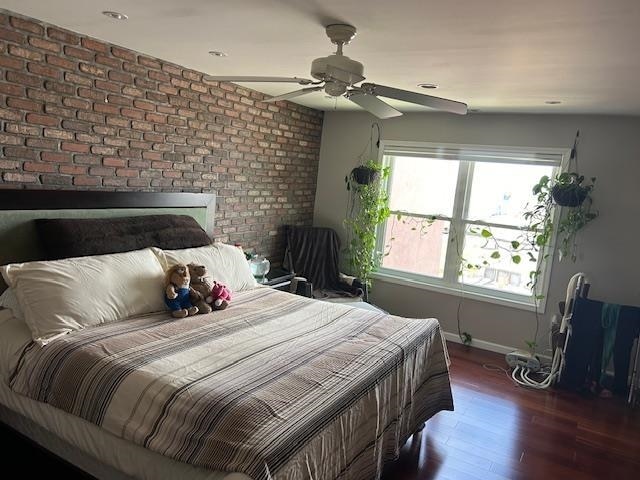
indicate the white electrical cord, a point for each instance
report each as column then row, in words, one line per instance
column 522, row 375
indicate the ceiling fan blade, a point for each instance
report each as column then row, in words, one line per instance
column 297, row 93
column 373, row 105
column 240, row 78
column 418, row 98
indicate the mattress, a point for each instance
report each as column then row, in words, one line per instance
column 276, row 386
column 101, row 452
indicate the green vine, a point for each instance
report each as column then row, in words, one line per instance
column 370, row 208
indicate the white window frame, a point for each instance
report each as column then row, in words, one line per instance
column 468, row 155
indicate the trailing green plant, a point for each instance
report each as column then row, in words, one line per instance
column 576, row 216
column 369, row 208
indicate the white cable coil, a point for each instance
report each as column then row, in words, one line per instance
column 522, row 375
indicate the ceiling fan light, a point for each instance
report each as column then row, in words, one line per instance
column 335, row 89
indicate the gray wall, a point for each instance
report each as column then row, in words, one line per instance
column 609, row 149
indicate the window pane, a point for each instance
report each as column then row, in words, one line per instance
column 500, row 192
column 423, row 185
column 501, row 273
column 416, row 245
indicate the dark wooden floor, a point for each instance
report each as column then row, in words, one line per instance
column 497, row 432
column 503, row 432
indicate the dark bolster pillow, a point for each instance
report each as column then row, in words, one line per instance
column 79, row 237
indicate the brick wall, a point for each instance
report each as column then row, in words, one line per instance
column 78, row 113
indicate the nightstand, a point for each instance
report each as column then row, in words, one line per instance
column 279, row 279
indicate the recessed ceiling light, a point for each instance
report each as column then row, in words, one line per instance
column 553, row 102
column 217, row 53
column 115, row 15
column 428, row 85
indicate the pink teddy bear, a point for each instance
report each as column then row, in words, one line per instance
column 221, row 296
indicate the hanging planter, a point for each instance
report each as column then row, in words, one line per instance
column 364, row 175
column 568, row 191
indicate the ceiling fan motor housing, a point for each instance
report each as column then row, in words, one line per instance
column 339, row 68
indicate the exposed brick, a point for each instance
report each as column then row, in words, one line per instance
column 149, row 62
column 10, row 62
column 120, row 77
column 24, row 104
column 76, row 103
column 81, row 180
column 24, row 79
column 130, row 113
column 61, row 62
column 9, row 164
column 134, row 92
column 108, row 61
column 60, row 87
column 80, row 113
column 23, row 153
column 27, row 25
column 56, row 180
column 93, row 70
column 22, row 129
column 114, row 162
column 74, row 147
column 72, row 169
column 11, row 35
column 106, row 85
column 45, row 143
column 44, row 44
column 63, row 35
column 123, row 53
column 61, row 134
column 25, row 53
column 10, row 139
column 79, row 53
column 42, row 119
column 39, row 167
column 57, row 157
column 162, row 77
column 127, row 172
column 144, row 105
column 95, row 45
column 44, row 70
column 19, row 177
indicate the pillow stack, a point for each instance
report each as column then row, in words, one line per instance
column 57, row 297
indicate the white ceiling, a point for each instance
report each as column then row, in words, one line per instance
column 496, row 55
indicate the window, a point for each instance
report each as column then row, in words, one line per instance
column 444, row 199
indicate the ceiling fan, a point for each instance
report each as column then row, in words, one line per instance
column 338, row 75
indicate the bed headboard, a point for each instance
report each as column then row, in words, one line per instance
column 18, row 209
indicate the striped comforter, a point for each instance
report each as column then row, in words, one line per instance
column 276, row 386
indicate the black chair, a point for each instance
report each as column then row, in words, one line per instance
column 314, row 253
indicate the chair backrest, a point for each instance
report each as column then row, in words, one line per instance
column 314, row 253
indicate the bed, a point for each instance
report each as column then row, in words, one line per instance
column 276, row 386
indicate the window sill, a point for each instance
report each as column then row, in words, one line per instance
column 465, row 292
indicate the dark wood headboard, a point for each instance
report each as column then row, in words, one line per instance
column 18, row 209
column 77, row 199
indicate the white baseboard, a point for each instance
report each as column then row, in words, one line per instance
column 490, row 346
column 481, row 344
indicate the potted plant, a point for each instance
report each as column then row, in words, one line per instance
column 369, row 207
column 364, row 174
column 568, row 190
column 577, row 214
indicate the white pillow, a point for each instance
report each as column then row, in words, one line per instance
column 57, row 297
column 9, row 301
column 226, row 263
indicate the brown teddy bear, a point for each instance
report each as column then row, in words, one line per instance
column 177, row 295
column 201, row 284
